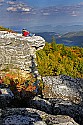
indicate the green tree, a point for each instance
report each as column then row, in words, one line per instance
column 53, row 44
column 63, row 51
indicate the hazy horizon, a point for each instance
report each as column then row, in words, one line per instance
column 35, row 13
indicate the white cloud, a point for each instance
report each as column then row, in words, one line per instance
column 10, row 2
column 12, row 9
column 1, row 0
column 15, row 6
column 19, row 7
column 46, row 14
column 73, row 10
column 26, row 9
column 74, row 13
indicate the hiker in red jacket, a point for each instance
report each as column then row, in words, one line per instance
column 25, row 33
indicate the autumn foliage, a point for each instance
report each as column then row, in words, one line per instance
column 20, row 85
column 57, row 59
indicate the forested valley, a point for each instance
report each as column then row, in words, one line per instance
column 58, row 59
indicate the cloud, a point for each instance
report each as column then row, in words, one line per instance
column 81, row 3
column 10, row 2
column 74, row 13
column 26, row 9
column 1, row 1
column 73, row 10
column 17, row 7
column 11, row 9
column 45, row 14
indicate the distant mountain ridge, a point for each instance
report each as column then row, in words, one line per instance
column 69, row 39
column 48, row 35
column 73, row 38
column 62, row 29
column 71, row 34
column 71, row 28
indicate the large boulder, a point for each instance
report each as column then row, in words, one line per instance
column 63, row 87
column 5, row 97
column 29, row 116
column 63, row 107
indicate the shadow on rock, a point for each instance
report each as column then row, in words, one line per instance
column 21, row 116
column 62, row 107
column 66, row 96
column 40, row 104
column 29, row 116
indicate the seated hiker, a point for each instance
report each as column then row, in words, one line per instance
column 25, row 33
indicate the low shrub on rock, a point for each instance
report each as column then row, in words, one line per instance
column 22, row 85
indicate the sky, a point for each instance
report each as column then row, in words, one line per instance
column 33, row 14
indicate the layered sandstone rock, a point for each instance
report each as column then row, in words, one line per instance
column 18, row 50
column 63, row 87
